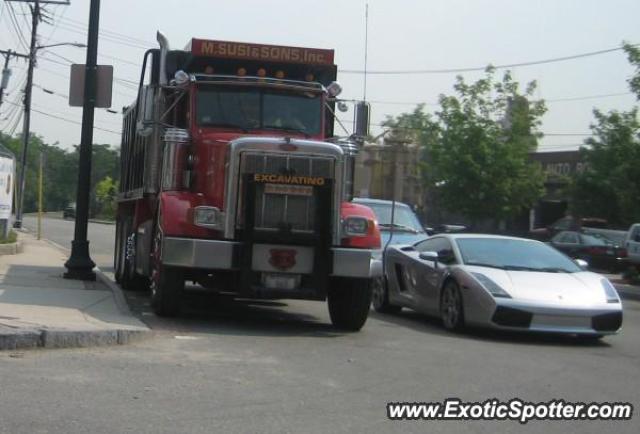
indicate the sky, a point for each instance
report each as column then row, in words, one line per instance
column 406, row 35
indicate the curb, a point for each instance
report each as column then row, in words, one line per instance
column 58, row 339
column 11, row 248
column 30, row 338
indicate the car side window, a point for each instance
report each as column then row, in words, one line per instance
column 428, row 245
column 445, row 252
column 441, row 246
column 560, row 238
column 571, row 238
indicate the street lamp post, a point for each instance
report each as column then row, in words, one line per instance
column 27, row 121
column 79, row 265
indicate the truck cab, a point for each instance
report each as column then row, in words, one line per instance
column 232, row 177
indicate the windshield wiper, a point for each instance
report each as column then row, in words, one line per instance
column 540, row 270
column 286, row 128
column 480, row 264
column 398, row 226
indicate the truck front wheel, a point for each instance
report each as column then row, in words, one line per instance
column 349, row 300
column 167, row 284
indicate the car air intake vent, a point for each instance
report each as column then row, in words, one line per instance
column 509, row 317
column 608, row 322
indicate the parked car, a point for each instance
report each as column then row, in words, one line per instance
column 632, row 243
column 406, row 227
column 567, row 223
column 69, row 212
column 598, row 251
column 498, row 282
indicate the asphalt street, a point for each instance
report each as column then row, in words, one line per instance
column 60, row 231
column 238, row 366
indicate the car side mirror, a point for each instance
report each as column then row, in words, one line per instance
column 429, row 256
column 582, row 263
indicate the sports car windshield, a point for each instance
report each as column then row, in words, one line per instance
column 256, row 108
column 509, row 254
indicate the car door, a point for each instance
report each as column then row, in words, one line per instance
column 633, row 244
column 430, row 275
column 405, row 272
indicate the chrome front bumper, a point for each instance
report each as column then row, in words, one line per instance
column 221, row 255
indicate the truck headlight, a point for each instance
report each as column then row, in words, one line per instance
column 356, row 226
column 610, row 291
column 208, row 217
column 491, row 286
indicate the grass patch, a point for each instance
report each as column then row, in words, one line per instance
column 12, row 238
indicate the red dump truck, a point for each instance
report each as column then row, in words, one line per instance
column 232, row 178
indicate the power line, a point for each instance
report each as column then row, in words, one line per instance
column 71, row 121
column 552, row 100
column 482, row 68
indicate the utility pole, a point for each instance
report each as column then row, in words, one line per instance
column 79, row 265
column 35, row 19
column 26, row 125
column 40, row 194
column 6, row 72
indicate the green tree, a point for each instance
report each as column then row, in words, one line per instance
column 60, row 171
column 477, row 147
column 609, row 187
column 106, row 197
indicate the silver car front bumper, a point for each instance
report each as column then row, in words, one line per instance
column 220, row 255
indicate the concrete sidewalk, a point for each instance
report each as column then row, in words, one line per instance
column 39, row 308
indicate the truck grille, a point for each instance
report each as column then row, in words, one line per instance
column 284, row 211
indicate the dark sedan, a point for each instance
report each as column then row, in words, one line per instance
column 598, row 251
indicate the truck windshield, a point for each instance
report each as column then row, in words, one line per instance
column 254, row 109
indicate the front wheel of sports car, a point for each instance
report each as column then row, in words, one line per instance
column 380, row 297
column 451, row 310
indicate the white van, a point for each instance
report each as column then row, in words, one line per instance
column 633, row 244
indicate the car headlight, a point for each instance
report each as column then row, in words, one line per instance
column 610, row 291
column 208, row 216
column 491, row 286
column 356, row 226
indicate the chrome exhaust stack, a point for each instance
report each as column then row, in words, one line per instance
column 164, row 49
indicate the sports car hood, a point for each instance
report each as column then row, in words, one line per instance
column 562, row 289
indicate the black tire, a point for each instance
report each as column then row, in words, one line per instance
column 167, row 285
column 349, row 300
column 125, row 270
column 451, row 307
column 380, row 297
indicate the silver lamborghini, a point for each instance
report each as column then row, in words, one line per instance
column 498, row 282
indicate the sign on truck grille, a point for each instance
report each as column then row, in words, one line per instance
column 285, row 189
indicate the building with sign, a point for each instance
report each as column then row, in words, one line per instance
column 559, row 167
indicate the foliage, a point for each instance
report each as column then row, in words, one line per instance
column 610, row 186
column 477, row 147
column 60, row 171
column 106, row 198
column 633, row 54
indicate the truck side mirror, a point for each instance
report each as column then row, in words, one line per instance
column 145, row 111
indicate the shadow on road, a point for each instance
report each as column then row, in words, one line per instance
column 224, row 315
column 422, row 323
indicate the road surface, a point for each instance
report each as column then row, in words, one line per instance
column 101, row 236
column 233, row 366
